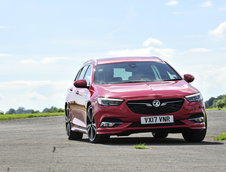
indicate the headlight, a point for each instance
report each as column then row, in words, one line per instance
column 109, row 101
column 194, row 97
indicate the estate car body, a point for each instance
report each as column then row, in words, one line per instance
column 121, row 96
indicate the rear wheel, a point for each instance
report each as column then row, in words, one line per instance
column 72, row 135
column 91, row 129
column 194, row 135
column 159, row 134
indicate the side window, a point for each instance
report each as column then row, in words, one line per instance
column 88, row 75
column 78, row 74
column 83, row 73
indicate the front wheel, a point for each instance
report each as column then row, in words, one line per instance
column 91, row 129
column 194, row 135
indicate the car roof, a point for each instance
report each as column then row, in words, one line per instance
column 122, row 59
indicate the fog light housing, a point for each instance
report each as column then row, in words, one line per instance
column 109, row 124
column 197, row 120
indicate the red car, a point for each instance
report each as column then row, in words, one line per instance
column 121, row 96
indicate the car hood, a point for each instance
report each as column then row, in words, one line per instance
column 150, row 90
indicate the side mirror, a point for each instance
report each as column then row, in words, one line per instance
column 81, row 83
column 189, row 78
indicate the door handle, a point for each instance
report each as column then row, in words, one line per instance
column 77, row 92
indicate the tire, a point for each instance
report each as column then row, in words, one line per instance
column 159, row 134
column 72, row 135
column 91, row 129
column 194, row 135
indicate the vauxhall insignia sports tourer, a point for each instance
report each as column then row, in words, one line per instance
column 121, row 96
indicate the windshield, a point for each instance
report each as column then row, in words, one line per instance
column 133, row 72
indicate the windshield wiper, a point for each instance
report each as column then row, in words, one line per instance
column 135, row 81
column 172, row 79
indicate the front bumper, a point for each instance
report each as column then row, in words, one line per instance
column 130, row 127
column 129, row 122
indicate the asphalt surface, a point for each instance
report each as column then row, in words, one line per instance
column 40, row 144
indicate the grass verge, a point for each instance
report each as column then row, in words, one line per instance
column 141, row 146
column 220, row 137
column 20, row 116
column 215, row 108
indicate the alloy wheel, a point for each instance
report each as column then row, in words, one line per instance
column 91, row 125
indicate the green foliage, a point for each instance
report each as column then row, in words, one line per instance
column 21, row 110
column 220, row 137
column 219, row 102
column 53, row 109
column 141, row 146
column 20, row 116
column 216, row 108
column 209, row 103
column 11, row 111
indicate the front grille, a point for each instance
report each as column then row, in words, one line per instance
column 147, row 107
column 138, row 124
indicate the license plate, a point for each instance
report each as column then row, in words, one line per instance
column 157, row 119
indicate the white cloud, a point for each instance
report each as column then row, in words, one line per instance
column 28, row 61
column 220, row 30
column 33, row 94
column 152, row 41
column 172, row 3
column 55, row 59
column 130, row 52
column 209, row 79
column 36, row 97
column 46, row 60
column 24, row 84
column 200, row 50
column 148, row 50
column 32, row 84
column 5, row 55
column 207, row 4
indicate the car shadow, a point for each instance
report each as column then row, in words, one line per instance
column 125, row 141
column 153, row 141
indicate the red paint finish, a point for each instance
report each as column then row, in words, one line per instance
column 80, row 98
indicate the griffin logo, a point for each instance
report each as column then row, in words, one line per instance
column 156, row 103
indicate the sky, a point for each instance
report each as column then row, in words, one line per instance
column 43, row 43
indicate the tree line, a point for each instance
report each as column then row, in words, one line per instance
column 218, row 102
column 22, row 110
